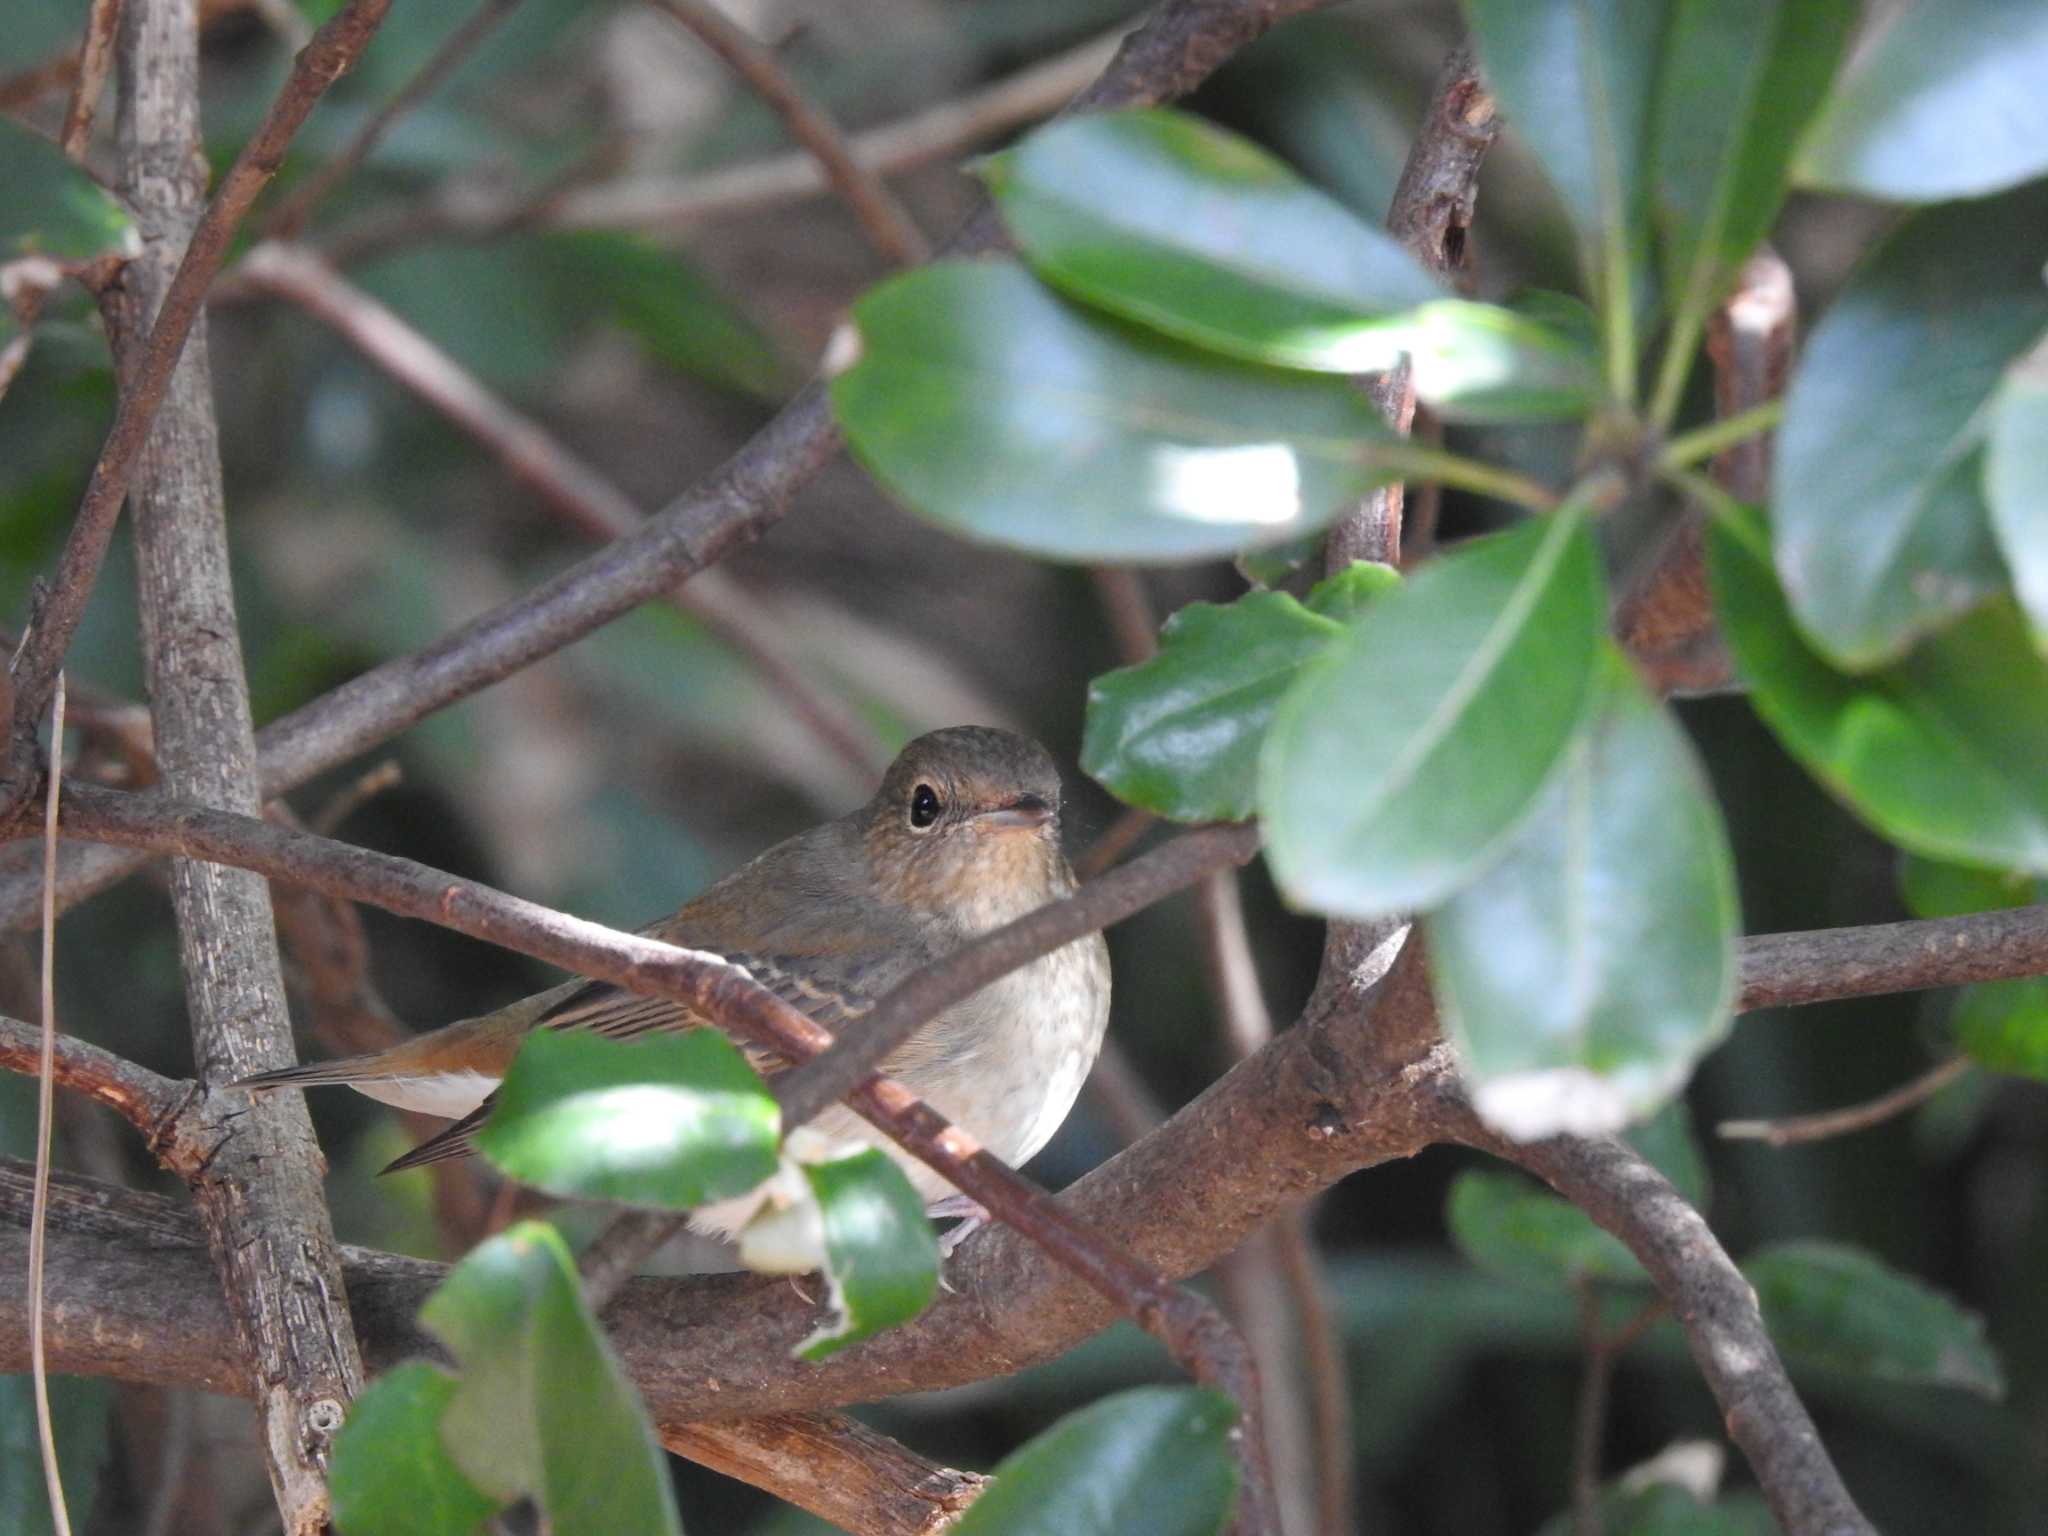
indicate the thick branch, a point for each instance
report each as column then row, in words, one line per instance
column 1320, row 1102
column 332, row 52
column 1176, row 48
column 1780, row 969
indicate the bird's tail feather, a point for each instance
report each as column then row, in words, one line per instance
column 308, row 1074
column 458, row 1140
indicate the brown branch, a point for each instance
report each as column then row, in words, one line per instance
column 1116, row 840
column 1781, row 969
column 1611, row 1183
column 1431, row 211
column 1178, row 46
column 1325, row 1099
column 568, row 485
column 889, row 228
column 95, row 58
column 1666, row 618
column 805, row 1090
column 331, row 53
column 1857, row 1117
column 291, row 215
column 139, row 1096
column 840, row 1470
column 260, row 1196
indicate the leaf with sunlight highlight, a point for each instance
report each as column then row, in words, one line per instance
column 1585, row 973
column 994, row 408
column 670, row 1119
column 881, row 1259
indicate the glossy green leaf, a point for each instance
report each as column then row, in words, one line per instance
column 1182, row 226
column 1513, row 1230
column 1153, row 1461
column 1585, row 972
column 1945, row 101
column 1882, row 532
column 1941, row 752
column 671, row 1120
column 881, row 1259
column 1180, row 734
column 993, row 408
column 1384, row 788
column 2003, row 1025
column 391, row 1475
column 1576, row 78
column 1836, row 1306
column 1343, row 595
column 2016, row 484
column 51, row 207
column 1494, row 363
column 542, row 1409
column 1666, row 1509
column 1933, row 888
column 1741, row 79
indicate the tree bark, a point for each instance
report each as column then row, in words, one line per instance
column 259, row 1191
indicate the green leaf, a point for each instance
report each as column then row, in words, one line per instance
column 993, row 408
column 1385, row 788
column 1831, row 1305
column 670, row 1119
column 1941, row 752
column 1153, row 1461
column 1180, row 734
column 391, row 1474
column 52, row 208
column 2016, row 483
column 1343, row 595
column 2003, row 1025
column 669, row 307
column 1667, row 1509
column 1514, row 1231
column 1741, row 79
column 1945, row 101
column 1936, row 889
column 1164, row 219
column 1882, row 531
column 1576, row 77
column 1588, row 969
column 542, row 1409
column 1666, row 1139
column 1486, row 362
column 881, row 1259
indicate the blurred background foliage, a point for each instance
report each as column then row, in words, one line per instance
column 618, row 778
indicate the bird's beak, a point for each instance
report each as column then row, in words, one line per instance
column 1026, row 811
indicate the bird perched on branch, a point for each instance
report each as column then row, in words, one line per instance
column 961, row 837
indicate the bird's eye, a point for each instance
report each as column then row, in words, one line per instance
column 924, row 806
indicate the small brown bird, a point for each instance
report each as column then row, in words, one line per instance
column 962, row 836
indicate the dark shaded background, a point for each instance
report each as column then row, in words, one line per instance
column 615, row 780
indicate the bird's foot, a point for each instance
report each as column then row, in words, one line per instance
column 973, row 1216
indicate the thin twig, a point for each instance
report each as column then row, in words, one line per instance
column 46, row 1110
column 291, row 215
column 364, row 788
column 95, row 58
column 1116, row 840
column 882, row 218
column 1589, row 1418
column 333, row 50
column 1780, row 969
column 1127, row 606
column 1796, row 1129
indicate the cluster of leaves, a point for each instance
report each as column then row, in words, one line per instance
column 1163, row 377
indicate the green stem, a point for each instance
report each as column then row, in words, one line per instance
column 1618, row 321
column 1416, row 461
column 1674, row 368
column 1704, row 442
